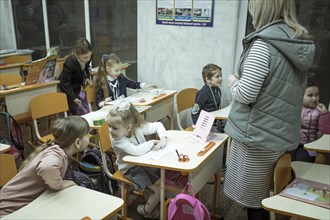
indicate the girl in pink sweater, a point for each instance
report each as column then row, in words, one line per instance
column 46, row 166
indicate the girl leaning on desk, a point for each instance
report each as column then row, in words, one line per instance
column 264, row 120
column 75, row 75
column 46, row 166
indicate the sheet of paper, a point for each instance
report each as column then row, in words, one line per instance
column 203, row 126
column 169, row 148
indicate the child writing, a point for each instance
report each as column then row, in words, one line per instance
column 309, row 123
column 127, row 131
column 75, row 75
column 110, row 83
column 46, row 166
column 208, row 98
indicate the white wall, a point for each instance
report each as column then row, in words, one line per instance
column 7, row 33
column 173, row 56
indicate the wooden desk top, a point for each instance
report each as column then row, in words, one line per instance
column 189, row 147
column 320, row 145
column 291, row 207
column 72, row 203
column 149, row 97
column 222, row 113
column 23, row 88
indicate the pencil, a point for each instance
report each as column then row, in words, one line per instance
column 177, row 153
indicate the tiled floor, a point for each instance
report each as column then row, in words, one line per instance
column 226, row 208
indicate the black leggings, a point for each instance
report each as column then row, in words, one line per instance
column 300, row 154
column 257, row 214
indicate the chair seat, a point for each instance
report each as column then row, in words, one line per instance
column 46, row 138
column 119, row 176
column 189, row 129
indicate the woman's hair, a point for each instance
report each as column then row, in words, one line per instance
column 209, row 71
column 65, row 132
column 264, row 12
column 101, row 77
column 127, row 116
column 82, row 46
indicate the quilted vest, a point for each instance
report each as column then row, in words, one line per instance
column 272, row 122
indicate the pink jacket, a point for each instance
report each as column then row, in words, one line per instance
column 309, row 128
column 45, row 171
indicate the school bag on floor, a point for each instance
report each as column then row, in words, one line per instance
column 91, row 165
column 187, row 207
column 10, row 133
column 79, row 178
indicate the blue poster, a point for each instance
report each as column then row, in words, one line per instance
column 197, row 13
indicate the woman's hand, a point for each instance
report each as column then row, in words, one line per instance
column 231, row 80
column 78, row 102
column 159, row 144
column 321, row 108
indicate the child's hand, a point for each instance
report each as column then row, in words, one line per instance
column 78, row 102
column 321, row 108
column 151, row 86
column 109, row 99
column 68, row 183
column 159, row 145
column 231, row 79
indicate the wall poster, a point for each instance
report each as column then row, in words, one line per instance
column 197, row 13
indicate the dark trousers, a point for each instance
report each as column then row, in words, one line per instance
column 257, row 214
column 300, row 154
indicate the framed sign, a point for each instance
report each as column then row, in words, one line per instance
column 196, row 13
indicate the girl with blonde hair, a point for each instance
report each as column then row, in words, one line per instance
column 46, row 166
column 111, row 83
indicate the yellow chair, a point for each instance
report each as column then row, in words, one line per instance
column 10, row 79
column 17, row 59
column 58, row 67
column 91, row 96
column 46, row 105
column 184, row 100
column 7, row 168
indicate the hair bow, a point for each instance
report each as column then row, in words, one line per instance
column 122, row 104
column 105, row 57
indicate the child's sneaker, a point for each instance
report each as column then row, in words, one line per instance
column 151, row 215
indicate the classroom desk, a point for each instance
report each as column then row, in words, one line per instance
column 321, row 146
column 17, row 100
column 200, row 168
column 71, row 203
column 103, row 112
column 160, row 107
column 14, row 68
column 4, row 148
column 309, row 171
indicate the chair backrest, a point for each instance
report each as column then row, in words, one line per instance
column 10, row 79
column 105, row 145
column 17, row 59
column 7, row 168
column 91, row 96
column 185, row 99
column 48, row 104
column 282, row 173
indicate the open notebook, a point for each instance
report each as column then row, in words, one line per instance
column 41, row 70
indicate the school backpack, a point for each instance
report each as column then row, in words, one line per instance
column 187, row 207
column 91, row 165
column 10, row 133
column 79, row 178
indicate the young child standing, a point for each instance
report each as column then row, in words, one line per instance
column 309, row 123
column 208, row 98
column 75, row 75
column 46, row 166
column 128, row 130
column 110, row 83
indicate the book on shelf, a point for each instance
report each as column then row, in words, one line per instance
column 308, row 191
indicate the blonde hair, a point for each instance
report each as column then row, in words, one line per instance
column 127, row 117
column 209, row 71
column 65, row 132
column 267, row 11
column 101, row 77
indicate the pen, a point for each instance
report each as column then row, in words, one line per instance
column 177, row 153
